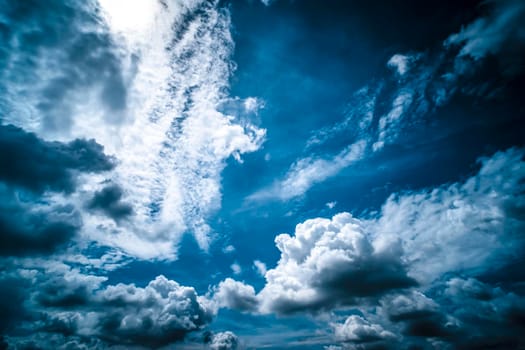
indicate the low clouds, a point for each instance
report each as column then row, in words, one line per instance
column 159, row 314
column 223, row 341
column 358, row 330
column 401, row 266
column 108, row 200
column 329, row 263
column 28, row 231
column 32, row 221
column 235, row 295
column 37, row 165
column 462, row 226
column 66, row 65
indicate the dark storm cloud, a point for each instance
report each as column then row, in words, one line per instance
column 32, row 163
column 159, row 314
column 52, row 304
column 108, row 200
column 24, row 231
column 13, row 292
column 55, row 41
column 29, row 167
column 491, row 317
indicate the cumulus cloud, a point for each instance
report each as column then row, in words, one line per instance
column 32, row 163
column 25, row 230
column 236, row 268
column 80, row 307
column 32, row 172
column 356, row 329
column 328, row 263
column 411, row 269
column 235, row 295
column 260, row 267
column 223, row 341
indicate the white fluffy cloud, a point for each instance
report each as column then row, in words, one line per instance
column 328, row 263
column 260, row 267
column 235, row 295
column 461, row 226
column 356, row 329
column 415, row 240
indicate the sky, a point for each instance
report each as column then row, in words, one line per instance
column 262, row 174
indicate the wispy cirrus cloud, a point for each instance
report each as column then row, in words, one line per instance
column 156, row 75
column 420, row 84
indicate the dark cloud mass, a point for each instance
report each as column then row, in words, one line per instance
column 29, row 167
column 161, row 313
column 108, row 200
column 37, row 165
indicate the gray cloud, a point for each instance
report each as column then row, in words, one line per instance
column 32, row 163
column 400, row 266
column 236, row 295
column 59, row 51
column 66, row 303
column 223, row 341
column 502, row 29
column 31, row 168
column 109, row 201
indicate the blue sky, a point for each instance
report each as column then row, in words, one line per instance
column 189, row 174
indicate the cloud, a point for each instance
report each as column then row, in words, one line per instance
column 306, row 172
column 158, row 90
column 84, row 308
column 67, row 66
column 34, row 219
column 458, row 227
column 329, row 263
column 401, row 63
column 223, row 341
column 172, row 155
column 25, row 230
column 422, row 83
column 108, row 201
column 236, row 268
column 498, row 31
column 37, row 165
column 412, row 269
column 358, row 330
column 235, row 295
column 260, row 267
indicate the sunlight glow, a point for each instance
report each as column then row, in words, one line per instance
column 129, row 16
